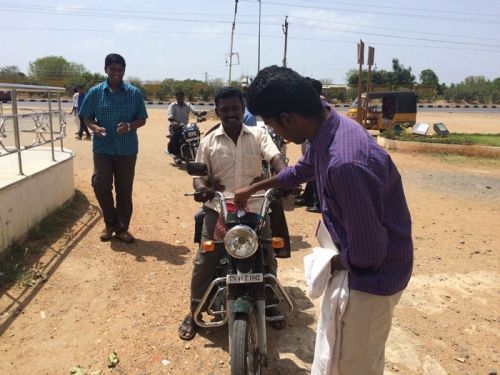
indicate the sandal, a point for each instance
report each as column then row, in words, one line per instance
column 125, row 236
column 276, row 324
column 187, row 329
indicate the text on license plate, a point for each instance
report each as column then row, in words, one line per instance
column 245, row 278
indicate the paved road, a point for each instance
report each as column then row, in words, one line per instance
column 206, row 107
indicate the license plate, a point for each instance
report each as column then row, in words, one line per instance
column 245, row 278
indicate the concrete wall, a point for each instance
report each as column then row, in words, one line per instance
column 27, row 201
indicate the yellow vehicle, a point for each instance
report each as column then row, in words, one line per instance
column 386, row 110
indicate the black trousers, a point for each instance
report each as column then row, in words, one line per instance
column 119, row 170
column 83, row 127
column 279, row 226
column 174, row 146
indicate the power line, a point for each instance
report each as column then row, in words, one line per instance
column 136, row 13
column 385, row 13
column 357, row 32
column 399, row 30
column 123, row 14
column 271, row 36
column 364, row 6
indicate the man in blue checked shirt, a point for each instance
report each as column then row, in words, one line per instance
column 361, row 200
column 114, row 110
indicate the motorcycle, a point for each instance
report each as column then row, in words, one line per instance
column 188, row 140
column 242, row 290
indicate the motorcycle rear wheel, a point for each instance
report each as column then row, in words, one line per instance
column 245, row 357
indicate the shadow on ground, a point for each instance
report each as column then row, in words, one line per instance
column 162, row 251
column 291, row 350
column 298, row 243
column 47, row 246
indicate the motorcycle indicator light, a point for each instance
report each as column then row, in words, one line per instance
column 241, row 242
column 278, row 243
column 208, row 246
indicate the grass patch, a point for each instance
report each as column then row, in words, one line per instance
column 462, row 159
column 17, row 262
column 13, row 265
column 453, row 139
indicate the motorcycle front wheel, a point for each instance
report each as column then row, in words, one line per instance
column 245, row 357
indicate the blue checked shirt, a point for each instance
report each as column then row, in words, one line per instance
column 363, row 204
column 109, row 109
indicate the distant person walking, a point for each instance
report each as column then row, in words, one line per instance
column 80, row 96
column 74, row 108
column 114, row 110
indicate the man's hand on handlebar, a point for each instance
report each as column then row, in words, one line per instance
column 203, row 194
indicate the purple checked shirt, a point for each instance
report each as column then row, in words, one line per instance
column 362, row 202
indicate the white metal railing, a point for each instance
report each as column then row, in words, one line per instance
column 41, row 131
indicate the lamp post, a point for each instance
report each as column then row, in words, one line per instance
column 258, row 52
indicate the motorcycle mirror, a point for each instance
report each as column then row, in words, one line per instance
column 197, row 169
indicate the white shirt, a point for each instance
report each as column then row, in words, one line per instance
column 75, row 100
column 180, row 113
column 236, row 165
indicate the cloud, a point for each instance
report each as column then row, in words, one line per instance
column 65, row 7
column 96, row 44
column 212, row 32
column 120, row 27
column 323, row 22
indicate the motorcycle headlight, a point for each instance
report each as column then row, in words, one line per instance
column 241, row 242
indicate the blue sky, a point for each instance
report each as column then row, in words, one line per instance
column 191, row 38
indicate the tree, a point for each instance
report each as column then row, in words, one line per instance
column 50, row 69
column 429, row 78
column 495, row 91
column 476, row 89
column 138, row 83
column 166, row 89
column 401, row 76
column 11, row 74
column 86, row 80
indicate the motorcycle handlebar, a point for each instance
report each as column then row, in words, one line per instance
column 268, row 197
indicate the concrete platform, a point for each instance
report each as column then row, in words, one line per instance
column 26, row 199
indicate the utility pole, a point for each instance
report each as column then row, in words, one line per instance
column 258, row 53
column 371, row 58
column 206, row 78
column 232, row 38
column 361, row 60
column 285, row 31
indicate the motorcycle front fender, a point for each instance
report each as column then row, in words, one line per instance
column 243, row 305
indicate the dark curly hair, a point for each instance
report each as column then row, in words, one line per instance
column 228, row 92
column 114, row 58
column 277, row 90
column 318, row 86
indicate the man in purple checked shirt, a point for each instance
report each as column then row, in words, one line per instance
column 361, row 200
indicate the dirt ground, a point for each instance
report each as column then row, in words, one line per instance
column 104, row 297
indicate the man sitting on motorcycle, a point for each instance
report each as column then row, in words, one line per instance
column 178, row 113
column 233, row 154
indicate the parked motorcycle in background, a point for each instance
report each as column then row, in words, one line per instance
column 187, row 137
column 242, row 290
